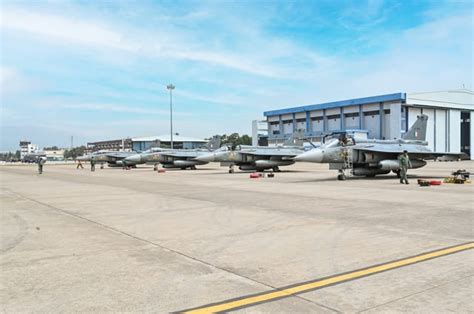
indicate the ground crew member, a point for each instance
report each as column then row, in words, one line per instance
column 79, row 165
column 404, row 163
column 92, row 164
column 40, row 162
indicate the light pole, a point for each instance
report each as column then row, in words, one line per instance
column 170, row 87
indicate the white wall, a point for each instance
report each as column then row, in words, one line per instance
column 316, row 113
column 350, row 109
column 334, row 124
column 454, row 131
column 472, row 135
column 333, row 111
column 351, row 122
column 386, row 126
column 371, row 107
column 288, row 128
column 440, row 131
column 300, row 115
column 457, row 99
column 395, row 121
column 317, row 126
column 430, row 128
column 301, row 126
column 372, row 124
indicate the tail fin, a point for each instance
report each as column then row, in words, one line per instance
column 296, row 139
column 418, row 129
column 214, row 143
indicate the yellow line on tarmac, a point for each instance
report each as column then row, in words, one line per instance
column 289, row 291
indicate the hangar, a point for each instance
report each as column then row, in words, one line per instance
column 384, row 117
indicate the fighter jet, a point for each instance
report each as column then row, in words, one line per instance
column 112, row 158
column 365, row 157
column 174, row 158
column 258, row 158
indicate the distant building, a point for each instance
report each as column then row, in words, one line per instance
column 140, row 144
column 27, row 148
column 54, row 154
column 122, row 144
column 384, row 117
column 259, row 133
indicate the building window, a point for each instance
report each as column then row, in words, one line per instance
column 372, row 113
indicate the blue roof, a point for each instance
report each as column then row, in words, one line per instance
column 337, row 104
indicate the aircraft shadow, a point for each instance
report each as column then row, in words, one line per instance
column 377, row 178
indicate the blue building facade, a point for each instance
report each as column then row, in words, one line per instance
column 381, row 116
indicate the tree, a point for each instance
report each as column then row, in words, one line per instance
column 74, row 152
column 51, row 148
column 235, row 139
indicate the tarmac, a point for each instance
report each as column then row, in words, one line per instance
column 141, row 241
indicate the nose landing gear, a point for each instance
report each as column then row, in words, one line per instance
column 341, row 176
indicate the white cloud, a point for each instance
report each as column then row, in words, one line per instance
column 259, row 56
column 65, row 29
column 119, row 108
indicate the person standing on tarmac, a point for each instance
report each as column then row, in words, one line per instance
column 40, row 162
column 92, row 164
column 404, row 163
column 79, row 165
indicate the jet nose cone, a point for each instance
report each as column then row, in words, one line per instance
column 314, row 155
column 133, row 159
column 205, row 157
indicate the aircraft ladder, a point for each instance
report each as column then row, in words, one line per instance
column 348, row 161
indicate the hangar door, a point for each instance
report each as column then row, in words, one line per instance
column 466, row 132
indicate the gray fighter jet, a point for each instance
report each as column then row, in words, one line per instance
column 174, row 158
column 112, row 158
column 364, row 157
column 258, row 158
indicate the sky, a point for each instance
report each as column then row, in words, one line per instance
column 98, row 70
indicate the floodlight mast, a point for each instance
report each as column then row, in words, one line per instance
column 170, row 87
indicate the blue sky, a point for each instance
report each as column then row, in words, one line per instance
column 98, row 70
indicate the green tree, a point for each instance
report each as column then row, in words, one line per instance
column 235, row 139
column 51, row 148
column 74, row 152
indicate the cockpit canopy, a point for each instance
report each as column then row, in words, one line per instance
column 337, row 141
column 223, row 148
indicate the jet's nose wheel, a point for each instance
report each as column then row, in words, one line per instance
column 398, row 173
column 341, row 176
column 276, row 169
